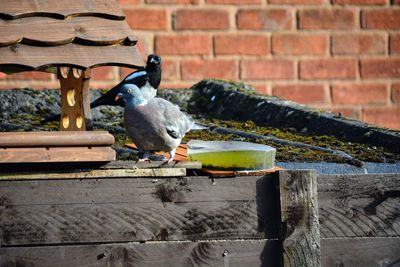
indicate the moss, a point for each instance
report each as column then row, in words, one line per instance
column 360, row 152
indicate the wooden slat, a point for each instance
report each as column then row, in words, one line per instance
column 359, row 205
column 201, row 253
column 299, row 213
column 161, row 172
column 360, row 252
column 49, row 31
column 60, row 9
column 56, row 154
column 71, row 211
column 70, row 138
column 23, row 57
column 151, row 164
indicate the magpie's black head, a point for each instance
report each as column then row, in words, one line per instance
column 153, row 60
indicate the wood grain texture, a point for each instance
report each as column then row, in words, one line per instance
column 119, row 164
column 22, row 57
column 299, row 214
column 200, row 253
column 60, row 9
column 359, row 205
column 56, row 154
column 81, row 30
column 70, row 138
column 71, row 211
column 75, row 99
column 360, row 252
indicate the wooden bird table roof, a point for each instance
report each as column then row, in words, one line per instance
column 40, row 35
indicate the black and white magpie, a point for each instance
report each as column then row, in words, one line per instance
column 148, row 81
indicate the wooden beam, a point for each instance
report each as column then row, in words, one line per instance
column 365, row 252
column 75, row 99
column 51, row 139
column 299, row 215
column 182, row 253
column 56, row 154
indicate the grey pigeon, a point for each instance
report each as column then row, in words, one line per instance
column 153, row 124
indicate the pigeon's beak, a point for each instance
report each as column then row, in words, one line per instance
column 118, row 97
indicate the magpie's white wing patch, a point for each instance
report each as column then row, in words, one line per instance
column 135, row 75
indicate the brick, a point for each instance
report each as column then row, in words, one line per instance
column 299, row 44
column 296, row 2
column 146, row 19
column 394, row 44
column 176, row 85
column 129, row 2
column 383, row 116
column 395, row 95
column 387, row 19
column 183, row 44
column 365, row 43
column 205, row 19
column 359, row 2
column 170, row 70
column 359, row 93
column 273, row 69
column 327, row 69
column 241, row 44
column 395, row 2
column 234, row 2
column 2, row 75
column 103, row 73
column 262, row 88
column 31, row 75
column 168, row 2
column 197, row 69
column 301, row 93
column 337, row 19
column 380, row 68
column 269, row 19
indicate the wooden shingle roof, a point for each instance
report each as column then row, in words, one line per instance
column 42, row 34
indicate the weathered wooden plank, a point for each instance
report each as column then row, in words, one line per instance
column 201, row 253
column 107, row 210
column 360, row 252
column 49, row 31
column 60, row 9
column 162, row 172
column 27, row 57
column 134, row 191
column 299, row 214
column 152, row 164
column 70, row 138
column 123, row 222
column 53, row 154
column 359, row 205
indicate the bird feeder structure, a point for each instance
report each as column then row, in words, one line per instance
column 67, row 38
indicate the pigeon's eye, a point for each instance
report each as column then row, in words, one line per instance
column 129, row 91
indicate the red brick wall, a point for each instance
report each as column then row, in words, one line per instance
column 339, row 55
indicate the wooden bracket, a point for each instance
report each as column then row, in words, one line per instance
column 75, row 99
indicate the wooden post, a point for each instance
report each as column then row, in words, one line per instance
column 299, row 217
column 75, row 99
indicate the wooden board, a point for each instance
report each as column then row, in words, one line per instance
column 60, row 9
column 360, row 252
column 181, row 151
column 24, row 57
column 299, row 215
column 43, row 139
column 56, row 154
column 200, row 253
column 359, row 205
column 48, row 31
column 117, row 210
column 128, row 164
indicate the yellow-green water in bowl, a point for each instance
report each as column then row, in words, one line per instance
column 222, row 155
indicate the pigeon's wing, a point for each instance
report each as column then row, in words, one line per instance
column 139, row 78
column 175, row 121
